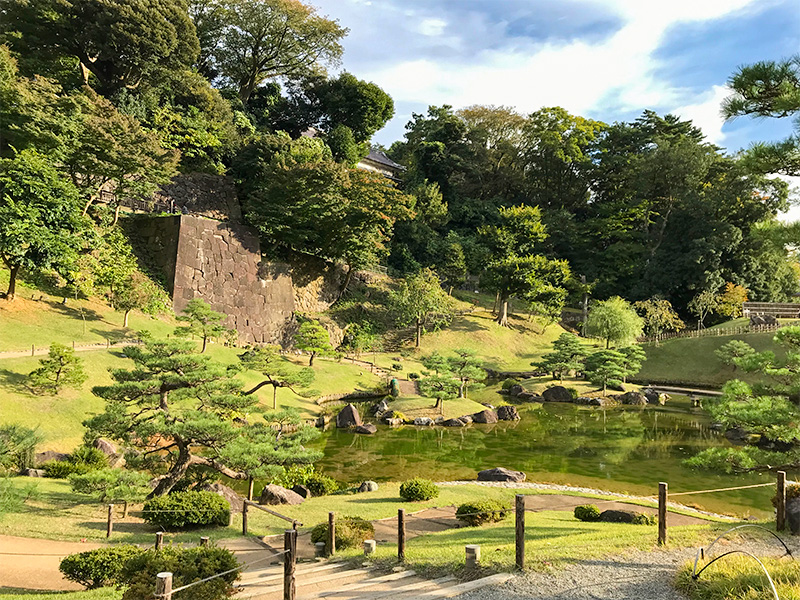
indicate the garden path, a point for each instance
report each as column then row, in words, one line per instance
column 33, row 563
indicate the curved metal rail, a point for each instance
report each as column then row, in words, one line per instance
column 696, row 576
column 701, row 553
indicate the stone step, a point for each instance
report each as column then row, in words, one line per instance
column 256, row 590
column 411, row 590
column 384, row 581
column 469, row 586
column 274, row 573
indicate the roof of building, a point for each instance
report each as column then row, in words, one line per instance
column 379, row 157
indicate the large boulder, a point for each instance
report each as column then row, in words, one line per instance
column 508, row 413
column 485, row 416
column 529, row 397
column 367, row 486
column 455, row 423
column 348, row 417
column 793, row 515
column 48, row 455
column 653, row 397
column 633, row 398
column 302, row 490
column 423, row 421
column 501, row 474
column 557, row 393
column 33, row 472
column 515, row 390
column 378, row 409
column 115, row 459
column 274, row 494
column 592, row 401
column 467, row 419
column 618, row 516
column 367, row 429
column 234, row 499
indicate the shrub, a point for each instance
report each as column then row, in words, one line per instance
column 294, row 475
column 187, row 509
column 395, row 414
column 413, row 376
column 61, row 469
column 396, row 366
column 321, row 485
column 643, row 519
column 186, row 565
column 792, row 492
column 509, row 383
column 573, row 392
column 91, row 457
column 587, row 512
column 18, row 446
column 97, row 568
column 350, row 532
column 482, row 511
column 414, row 490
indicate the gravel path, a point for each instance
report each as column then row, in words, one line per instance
column 636, row 576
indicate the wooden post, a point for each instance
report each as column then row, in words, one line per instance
column 289, row 562
column 250, row 489
column 472, row 556
column 401, row 534
column 204, row 541
column 780, row 515
column 520, row 531
column 164, row 586
column 244, row 518
column 124, row 508
column 662, row 513
column 33, row 350
column 331, row 533
column 159, row 540
column 110, row 525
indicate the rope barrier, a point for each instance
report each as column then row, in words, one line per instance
column 730, row 489
column 239, row 568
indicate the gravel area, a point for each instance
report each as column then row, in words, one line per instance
column 636, row 576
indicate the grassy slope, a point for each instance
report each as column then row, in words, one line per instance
column 740, row 578
column 692, row 360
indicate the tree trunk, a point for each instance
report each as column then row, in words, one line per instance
column 346, row 283
column 608, row 343
column 311, row 359
column 440, row 405
column 461, row 389
column 205, row 343
column 125, row 320
column 419, row 331
column 502, row 316
column 496, row 301
column 175, row 474
column 274, row 397
column 12, row 282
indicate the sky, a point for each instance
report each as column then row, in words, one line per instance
column 604, row 59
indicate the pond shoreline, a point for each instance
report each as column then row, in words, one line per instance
column 530, row 485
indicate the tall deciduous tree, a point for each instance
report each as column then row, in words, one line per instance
column 514, row 269
column 117, row 41
column 731, row 299
column 614, row 321
column 180, row 409
column 201, row 321
column 421, row 301
column 41, row 226
column 278, row 371
column 136, row 292
column 658, row 315
column 264, row 39
column 703, row 304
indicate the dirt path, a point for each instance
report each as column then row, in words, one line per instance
column 78, row 348
column 33, row 563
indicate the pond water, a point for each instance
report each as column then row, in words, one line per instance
column 626, row 449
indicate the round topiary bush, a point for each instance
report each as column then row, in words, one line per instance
column 187, row 509
column 187, row 566
column 509, row 383
column 587, row 512
column 643, row 519
column 321, row 485
column 350, row 532
column 414, row 490
column 98, row 568
column 482, row 511
column 62, row 469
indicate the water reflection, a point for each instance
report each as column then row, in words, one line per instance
column 623, row 450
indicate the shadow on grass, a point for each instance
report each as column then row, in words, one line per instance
column 114, row 335
column 12, row 379
column 75, row 312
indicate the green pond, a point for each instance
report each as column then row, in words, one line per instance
column 621, row 450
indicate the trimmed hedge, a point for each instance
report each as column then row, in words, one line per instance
column 186, row 565
column 350, row 532
column 182, row 510
column 417, row 489
column 587, row 512
column 321, row 485
column 478, row 512
column 643, row 519
column 98, row 568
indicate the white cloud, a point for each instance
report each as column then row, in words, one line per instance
column 432, row 27
column 582, row 76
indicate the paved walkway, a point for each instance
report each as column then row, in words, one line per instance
column 33, row 563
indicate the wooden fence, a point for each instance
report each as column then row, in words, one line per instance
column 716, row 332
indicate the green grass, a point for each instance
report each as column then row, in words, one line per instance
column 553, row 539
column 99, row 594
column 692, row 360
column 739, row 577
column 417, row 406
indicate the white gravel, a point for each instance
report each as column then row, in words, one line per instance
column 636, row 576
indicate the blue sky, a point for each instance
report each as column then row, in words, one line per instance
column 605, row 59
